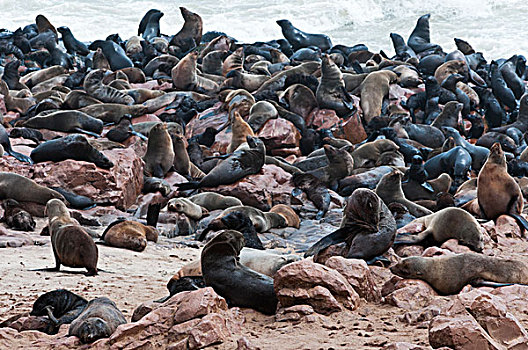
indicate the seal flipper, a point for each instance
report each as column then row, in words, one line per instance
column 520, row 220
column 140, row 135
column 153, row 214
column 118, row 221
column 191, row 185
column 428, row 187
column 21, row 157
column 335, row 237
column 82, row 131
column 410, row 238
column 483, row 283
column 381, row 259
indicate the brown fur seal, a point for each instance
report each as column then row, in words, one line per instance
column 240, row 130
column 67, row 121
column 497, row 192
column 451, row 67
column 368, row 228
column 191, row 33
column 16, row 217
column 214, row 201
column 129, row 235
column 184, row 76
column 186, row 206
column 372, row 90
column 13, row 103
column 77, row 99
column 100, row 61
column 72, row 246
column 239, row 285
column 340, row 165
column 390, row 190
column 449, row 115
column 142, row 95
column 331, row 92
column 43, row 24
column 234, row 61
column 292, row 219
column 182, row 163
column 238, row 165
column 314, row 189
column 446, row 224
column 260, row 113
column 94, row 86
column 113, row 112
column 37, row 77
column 212, row 62
column 159, row 157
column 300, row 99
column 366, row 155
column 448, row 274
column 99, row 319
column 22, row 189
column 241, row 80
column 261, row 220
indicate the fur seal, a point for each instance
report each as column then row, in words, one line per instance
column 13, row 103
column 237, row 166
column 389, row 189
column 500, row 89
column 314, row 189
column 420, row 39
column 403, row 51
column 368, row 228
column 61, row 306
column 99, row 319
column 16, row 217
column 94, row 86
column 67, row 121
column 71, row 44
column 185, row 78
column 292, row 219
column 129, row 235
column 446, row 224
column 240, row 130
column 260, row 113
column 300, row 99
column 152, row 26
column 478, row 153
column 448, row 274
column 241, row 222
column 299, row 39
column 115, row 55
column 113, row 112
column 340, row 165
column 214, row 201
column 159, row 157
column 190, row 35
column 74, row 147
column 7, row 148
column 331, row 92
column 497, row 192
column 239, row 285
column 72, row 246
column 22, row 189
column 372, row 90
column 366, row 155
column 75, row 201
column 186, row 206
column 123, row 130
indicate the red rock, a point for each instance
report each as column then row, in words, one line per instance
column 270, row 187
column 403, row 346
column 322, row 119
column 411, row 294
column 351, row 130
column 421, row 316
column 506, row 226
column 28, row 323
column 514, row 296
column 213, row 117
column 460, row 332
column 244, row 344
column 307, row 283
column 409, row 250
column 293, row 313
column 118, row 186
column 455, row 247
column 146, row 118
column 412, row 227
column 279, row 133
column 286, row 152
column 358, row 275
column 435, row 251
column 211, row 330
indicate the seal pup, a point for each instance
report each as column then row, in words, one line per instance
column 260, row 113
column 238, row 284
column 74, row 147
column 448, row 274
column 299, row 39
column 129, row 235
column 240, row 130
column 16, row 217
column 61, row 306
column 99, row 319
column 159, row 157
column 331, row 92
column 497, row 192
column 314, row 189
column 235, row 167
column 368, row 228
column 446, row 224
column 123, row 130
column 94, row 86
column 72, row 246
column 389, row 189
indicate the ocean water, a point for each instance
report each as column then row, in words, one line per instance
column 497, row 28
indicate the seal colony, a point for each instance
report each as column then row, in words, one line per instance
column 422, row 147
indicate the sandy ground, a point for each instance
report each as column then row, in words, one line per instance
column 130, row 278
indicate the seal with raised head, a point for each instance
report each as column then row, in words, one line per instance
column 238, row 284
column 497, row 192
column 420, row 38
column 446, row 224
column 190, row 35
column 299, row 39
column 128, row 234
column 71, row 44
column 74, row 147
column 159, row 157
column 16, row 217
column 152, row 26
column 368, row 228
column 241, row 222
column 185, row 78
column 72, row 246
column 237, row 166
column 94, row 86
column 314, row 189
column 372, row 90
column 331, row 92
column 448, row 274
column 99, row 319
column 240, row 130
column 61, row 306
